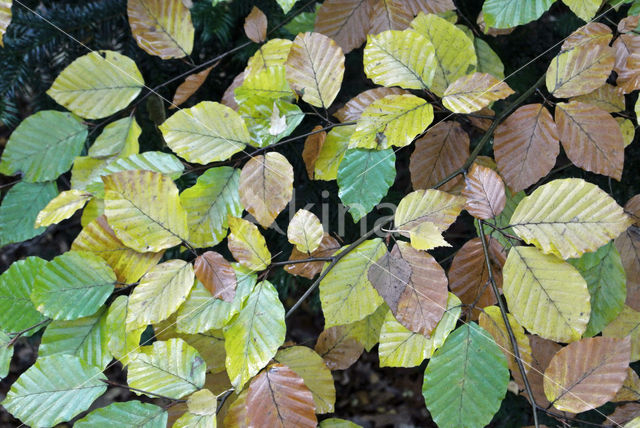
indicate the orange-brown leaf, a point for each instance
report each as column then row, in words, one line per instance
column 481, row 122
column 353, row 109
column 591, row 138
column 627, row 63
column 440, row 152
column 628, row 245
column 255, row 25
column 312, row 147
column 607, row 97
column 588, row 373
column 189, row 87
column 468, row 275
column 593, row 32
column 327, row 247
column 345, row 21
column 389, row 15
column 338, row 348
column 229, row 98
column 278, row 397
column 526, row 146
column 236, row 416
column 628, row 24
column 484, row 191
column 216, row 274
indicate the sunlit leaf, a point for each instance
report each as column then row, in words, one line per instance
column 247, row 244
column 537, row 283
column 171, row 368
column 367, row 330
column 270, row 83
column 427, row 236
column 314, row 68
column 345, row 21
column 484, row 191
column 286, row 5
column 305, row 231
column 161, row 28
column 54, row 390
column 199, row 135
column 266, row 186
column 17, row 312
column 20, row 208
column 191, row 84
column 253, row 337
column 129, row 413
column 72, row 285
column 354, row 108
column 474, row 92
column 510, row 13
column 255, row 25
column 628, row 130
column 337, row 423
column 466, row 379
column 586, row 374
column 43, row 146
column 592, row 32
column 568, row 217
column 216, row 274
column 62, row 207
column 98, row 84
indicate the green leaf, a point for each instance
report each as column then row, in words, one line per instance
column 510, row 13
column 85, row 338
column 466, row 379
column 253, row 337
column 399, row 58
column 72, row 285
column 262, row 115
column 54, row 390
column 129, row 413
column 568, row 217
column 364, row 177
column 6, row 353
column 160, row 293
column 209, row 203
column 394, row 120
column 606, row 280
column 119, row 138
column 347, row 286
column 337, row 423
column 16, row 309
column 455, row 54
column 536, row 283
column 122, row 343
column 286, row 5
column 20, row 208
column 206, row 132
column 171, row 368
column 202, row 312
column 98, row 84
column 488, row 60
column 43, row 146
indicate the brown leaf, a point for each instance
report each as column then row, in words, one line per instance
column 591, row 138
column 484, row 191
column 542, row 352
column 266, row 186
column 630, row 390
column 624, row 414
column 440, row 152
column 593, row 32
column 229, row 96
column 345, row 21
column 216, row 274
column 189, row 87
column 526, row 146
column 628, row 24
column 327, row 247
column 586, row 374
column 468, row 275
column 424, row 299
column 278, row 397
column 312, row 147
column 353, row 109
column 389, row 275
column 161, row 27
column 389, row 15
column 632, row 207
column 338, row 348
column 480, row 122
column 627, row 63
column 628, row 245
column 429, row 6
column 236, row 416
column 255, row 25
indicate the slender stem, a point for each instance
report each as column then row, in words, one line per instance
column 142, row 391
column 309, row 260
column 512, row 337
column 18, row 334
column 331, row 265
column 501, row 231
column 222, row 398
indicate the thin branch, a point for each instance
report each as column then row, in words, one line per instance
column 19, row 334
column 142, row 391
column 222, row 398
column 512, row 337
column 309, row 260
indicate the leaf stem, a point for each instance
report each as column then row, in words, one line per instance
column 222, row 398
column 142, row 391
column 308, row 260
column 512, row 337
column 18, row 334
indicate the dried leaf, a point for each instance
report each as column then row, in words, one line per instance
column 266, row 186
column 345, row 21
column 228, row 98
column 484, row 191
column 255, row 25
column 278, row 397
column 440, row 208
column 593, row 32
column 429, row 6
column 390, row 275
column 189, row 87
column 312, row 148
column 216, row 274
column 542, row 350
column 441, row 151
column 353, row 109
column 628, row 245
column 389, row 15
column 591, row 138
column 338, row 348
column 327, row 247
column 473, row 92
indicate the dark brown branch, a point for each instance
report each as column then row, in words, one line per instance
column 308, row 260
column 19, row 334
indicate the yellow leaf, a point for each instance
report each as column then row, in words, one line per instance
column 627, row 324
column 474, row 92
column 5, row 18
column 426, row 236
column 119, row 138
column 399, row 58
column 535, row 284
column 247, row 244
column 332, row 152
column 161, row 27
column 314, row 68
column 628, row 130
column 270, row 83
column 266, row 186
column 394, row 120
column 305, row 231
column 272, row 54
column 122, row 343
column 62, row 207
column 455, row 53
column 93, row 210
column 585, row 9
column 607, row 97
column 144, row 210
column 435, row 206
column 97, row 85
